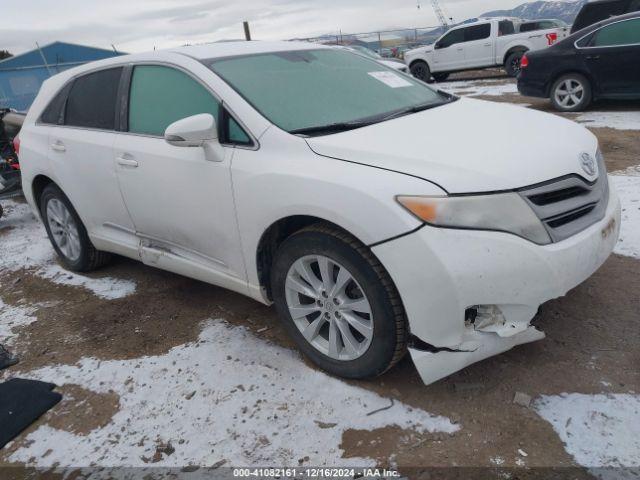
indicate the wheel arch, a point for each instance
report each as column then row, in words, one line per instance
column 38, row 184
column 276, row 234
column 413, row 62
column 514, row 49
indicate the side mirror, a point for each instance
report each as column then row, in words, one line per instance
column 192, row 131
column 437, row 46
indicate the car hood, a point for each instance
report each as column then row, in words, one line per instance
column 419, row 51
column 468, row 146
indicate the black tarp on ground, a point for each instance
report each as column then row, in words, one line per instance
column 22, row 402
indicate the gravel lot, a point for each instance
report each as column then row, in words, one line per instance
column 159, row 370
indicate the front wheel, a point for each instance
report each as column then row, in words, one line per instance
column 67, row 233
column 421, row 71
column 571, row 93
column 338, row 303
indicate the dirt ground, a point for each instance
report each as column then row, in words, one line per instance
column 596, row 321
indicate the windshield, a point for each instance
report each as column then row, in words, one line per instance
column 310, row 89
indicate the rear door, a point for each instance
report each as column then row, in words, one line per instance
column 180, row 199
column 83, row 121
column 478, row 45
column 613, row 58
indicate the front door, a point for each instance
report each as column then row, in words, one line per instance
column 448, row 53
column 613, row 57
column 180, row 199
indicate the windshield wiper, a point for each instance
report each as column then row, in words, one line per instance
column 332, row 128
column 414, row 109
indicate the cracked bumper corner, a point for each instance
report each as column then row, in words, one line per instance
column 434, row 366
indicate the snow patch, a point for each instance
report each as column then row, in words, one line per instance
column 228, row 396
column 12, row 318
column 615, row 120
column 25, row 245
column 628, row 188
column 597, row 430
column 474, row 88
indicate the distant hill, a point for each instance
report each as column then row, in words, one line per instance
column 563, row 10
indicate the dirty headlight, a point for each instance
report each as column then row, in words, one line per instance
column 504, row 212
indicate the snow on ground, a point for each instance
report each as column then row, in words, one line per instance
column 474, row 88
column 616, row 120
column 628, row 188
column 598, row 430
column 26, row 245
column 229, row 396
column 12, row 318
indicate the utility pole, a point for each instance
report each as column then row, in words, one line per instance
column 247, row 31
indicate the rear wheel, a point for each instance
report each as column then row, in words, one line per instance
column 338, row 303
column 421, row 71
column 513, row 64
column 67, row 232
column 571, row 93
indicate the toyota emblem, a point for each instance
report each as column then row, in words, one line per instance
column 589, row 164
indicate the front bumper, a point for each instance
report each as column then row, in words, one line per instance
column 440, row 273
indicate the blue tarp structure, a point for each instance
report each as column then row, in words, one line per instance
column 21, row 76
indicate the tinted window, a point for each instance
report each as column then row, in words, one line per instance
column 53, row 114
column 529, row 27
column 235, row 133
column 506, row 27
column 623, row 33
column 160, row 96
column 92, row 100
column 477, row 32
column 452, row 38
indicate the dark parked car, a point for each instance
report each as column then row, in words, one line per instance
column 598, row 10
column 602, row 61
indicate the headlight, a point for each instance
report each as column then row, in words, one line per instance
column 504, row 212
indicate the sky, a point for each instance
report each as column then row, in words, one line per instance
column 141, row 25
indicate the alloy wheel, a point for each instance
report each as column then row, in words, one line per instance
column 63, row 229
column 329, row 307
column 569, row 93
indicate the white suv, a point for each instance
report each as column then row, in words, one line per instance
column 378, row 214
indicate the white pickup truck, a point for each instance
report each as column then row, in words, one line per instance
column 485, row 43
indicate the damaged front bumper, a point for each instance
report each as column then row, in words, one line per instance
column 442, row 274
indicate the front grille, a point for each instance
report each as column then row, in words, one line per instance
column 569, row 205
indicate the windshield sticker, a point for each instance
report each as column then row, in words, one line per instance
column 391, row 79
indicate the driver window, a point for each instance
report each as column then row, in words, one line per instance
column 162, row 95
column 452, row 38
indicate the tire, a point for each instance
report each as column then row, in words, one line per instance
column 562, row 97
column 512, row 64
column 68, row 234
column 387, row 342
column 441, row 77
column 421, row 71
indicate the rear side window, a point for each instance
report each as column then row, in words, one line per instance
column 477, row 32
column 92, row 100
column 506, row 27
column 54, row 113
column 529, row 27
column 161, row 95
column 622, row 33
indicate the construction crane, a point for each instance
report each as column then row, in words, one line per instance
column 439, row 13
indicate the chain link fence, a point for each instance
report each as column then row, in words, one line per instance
column 388, row 43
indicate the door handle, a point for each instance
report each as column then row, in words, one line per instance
column 58, row 146
column 487, row 44
column 593, row 57
column 127, row 161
